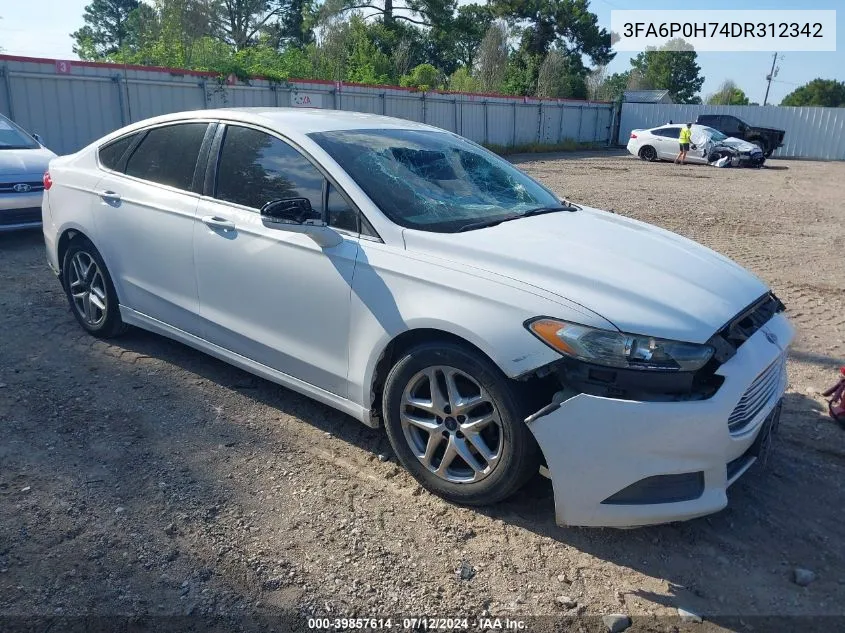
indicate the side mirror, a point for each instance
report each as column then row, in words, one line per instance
column 288, row 211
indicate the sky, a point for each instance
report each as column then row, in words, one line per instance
column 41, row 28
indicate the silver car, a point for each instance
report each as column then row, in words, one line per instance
column 23, row 163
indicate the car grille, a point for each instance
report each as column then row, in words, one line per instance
column 9, row 187
column 766, row 386
column 8, row 217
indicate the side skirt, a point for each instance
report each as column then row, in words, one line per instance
column 145, row 322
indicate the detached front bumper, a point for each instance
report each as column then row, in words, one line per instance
column 599, row 450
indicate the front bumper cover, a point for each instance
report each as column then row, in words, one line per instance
column 596, row 447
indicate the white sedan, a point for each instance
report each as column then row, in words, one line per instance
column 708, row 146
column 414, row 280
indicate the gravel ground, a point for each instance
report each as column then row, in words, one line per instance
column 141, row 478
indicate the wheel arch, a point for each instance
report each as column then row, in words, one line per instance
column 68, row 234
column 400, row 344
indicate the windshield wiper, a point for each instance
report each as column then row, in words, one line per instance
column 542, row 210
column 486, row 223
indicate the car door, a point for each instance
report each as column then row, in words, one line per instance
column 266, row 292
column 145, row 220
column 666, row 142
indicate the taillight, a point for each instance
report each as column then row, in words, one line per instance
column 48, row 182
column 633, row 135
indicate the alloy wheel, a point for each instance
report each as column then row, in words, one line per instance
column 88, row 289
column 452, row 424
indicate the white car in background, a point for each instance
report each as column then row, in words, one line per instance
column 412, row 279
column 23, row 162
column 708, row 146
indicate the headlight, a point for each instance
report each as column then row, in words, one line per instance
column 617, row 349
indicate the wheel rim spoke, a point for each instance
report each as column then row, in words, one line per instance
column 481, row 446
column 434, row 442
column 449, row 456
column 465, row 454
column 425, row 424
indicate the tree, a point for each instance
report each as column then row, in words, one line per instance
column 566, row 26
column 422, row 12
column 569, row 25
column 468, row 30
column 241, row 20
column 492, row 58
column 423, row 77
column 561, row 75
column 819, row 92
column 462, row 81
column 105, row 31
column 728, row 94
column 673, row 67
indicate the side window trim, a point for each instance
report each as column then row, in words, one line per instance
column 210, row 185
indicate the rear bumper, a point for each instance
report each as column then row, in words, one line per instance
column 596, row 448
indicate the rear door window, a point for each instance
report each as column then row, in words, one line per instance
column 668, row 132
column 168, row 155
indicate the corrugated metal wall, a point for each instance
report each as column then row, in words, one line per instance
column 817, row 133
column 71, row 104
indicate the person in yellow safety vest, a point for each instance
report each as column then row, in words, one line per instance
column 684, row 138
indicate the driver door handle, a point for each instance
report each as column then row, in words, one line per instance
column 109, row 196
column 218, row 223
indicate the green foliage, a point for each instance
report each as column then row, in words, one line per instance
column 106, row 28
column 366, row 64
column 462, row 81
column 568, row 25
column 423, row 77
column 819, row 92
column 728, row 94
column 671, row 69
column 421, row 44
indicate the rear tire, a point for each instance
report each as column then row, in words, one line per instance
column 89, row 290
column 647, row 152
column 474, row 413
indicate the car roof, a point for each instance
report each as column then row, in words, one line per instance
column 297, row 120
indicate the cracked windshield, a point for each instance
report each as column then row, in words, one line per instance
column 434, row 181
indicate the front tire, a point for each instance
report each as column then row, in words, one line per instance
column 457, row 425
column 89, row 290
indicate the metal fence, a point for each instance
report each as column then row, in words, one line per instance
column 817, row 133
column 70, row 104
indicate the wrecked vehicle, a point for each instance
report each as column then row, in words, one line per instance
column 708, row 146
column 766, row 138
column 412, row 279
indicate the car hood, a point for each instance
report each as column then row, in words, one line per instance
column 738, row 144
column 643, row 279
column 18, row 162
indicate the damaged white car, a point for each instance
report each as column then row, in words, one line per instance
column 709, row 146
column 410, row 278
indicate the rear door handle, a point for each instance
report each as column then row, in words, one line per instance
column 109, row 196
column 218, row 223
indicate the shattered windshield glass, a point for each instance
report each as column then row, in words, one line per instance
column 715, row 135
column 433, row 181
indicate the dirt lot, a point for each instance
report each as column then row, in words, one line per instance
column 143, row 478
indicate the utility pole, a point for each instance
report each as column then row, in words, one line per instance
column 769, row 77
